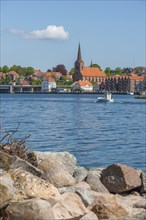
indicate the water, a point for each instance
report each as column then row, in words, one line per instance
column 97, row 134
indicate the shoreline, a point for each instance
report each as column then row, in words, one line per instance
column 57, row 188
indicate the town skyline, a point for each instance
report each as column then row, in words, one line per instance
column 108, row 38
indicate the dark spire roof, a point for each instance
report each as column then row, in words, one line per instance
column 79, row 53
column 91, row 64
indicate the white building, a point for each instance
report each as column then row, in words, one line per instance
column 82, row 85
column 48, row 83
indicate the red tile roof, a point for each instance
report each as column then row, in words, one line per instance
column 50, row 79
column 55, row 74
column 92, row 72
column 24, row 83
column 136, row 77
column 13, row 73
column 84, row 83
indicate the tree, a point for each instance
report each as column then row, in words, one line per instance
column 96, row 66
column 61, row 68
column 72, row 71
column 36, row 82
column 5, row 69
column 29, row 71
column 118, row 71
column 108, row 71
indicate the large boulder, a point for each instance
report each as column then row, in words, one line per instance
column 32, row 209
column 105, row 206
column 66, row 158
column 70, row 207
column 6, row 188
column 119, row 178
column 56, row 172
column 30, row 186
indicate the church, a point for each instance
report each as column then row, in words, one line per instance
column 85, row 73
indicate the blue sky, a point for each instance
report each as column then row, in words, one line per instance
column 43, row 34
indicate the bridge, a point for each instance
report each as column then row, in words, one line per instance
column 19, row 89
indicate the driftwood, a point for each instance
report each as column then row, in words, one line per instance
column 13, row 146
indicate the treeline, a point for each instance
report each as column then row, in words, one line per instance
column 28, row 71
column 22, row 71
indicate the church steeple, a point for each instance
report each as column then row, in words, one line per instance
column 79, row 58
column 79, row 65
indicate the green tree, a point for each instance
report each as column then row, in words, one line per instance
column 29, row 71
column 72, row 71
column 96, row 66
column 108, row 71
column 118, row 71
column 36, row 82
column 5, row 69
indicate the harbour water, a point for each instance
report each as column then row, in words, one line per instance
column 98, row 134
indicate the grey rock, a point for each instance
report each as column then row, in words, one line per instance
column 95, row 183
column 80, row 173
column 66, row 158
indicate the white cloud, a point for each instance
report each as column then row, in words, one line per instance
column 51, row 32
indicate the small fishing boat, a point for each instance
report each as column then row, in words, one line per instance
column 106, row 98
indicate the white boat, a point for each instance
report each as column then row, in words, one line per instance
column 106, row 98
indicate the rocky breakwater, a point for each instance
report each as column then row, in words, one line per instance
column 56, row 188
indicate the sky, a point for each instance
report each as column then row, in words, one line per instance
column 43, row 34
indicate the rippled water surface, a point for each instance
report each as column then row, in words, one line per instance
column 98, row 134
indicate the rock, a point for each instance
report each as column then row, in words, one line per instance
column 95, row 183
column 143, row 177
column 8, row 162
column 80, row 173
column 86, row 194
column 29, row 186
column 6, row 189
column 96, row 171
column 89, row 216
column 133, row 204
column 105, row 206
column 120, row 178
column 80, row 185
column 83, row 185
column 69, row 207
column 32, row 209
column 66, row 158
column 56, row 173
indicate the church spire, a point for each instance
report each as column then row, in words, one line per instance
column 79, row 58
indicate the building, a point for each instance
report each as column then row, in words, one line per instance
column 54, row 75
column 48, row 83
column 84, row 73
column 82, row 85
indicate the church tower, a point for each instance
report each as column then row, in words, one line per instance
column 79, row 64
